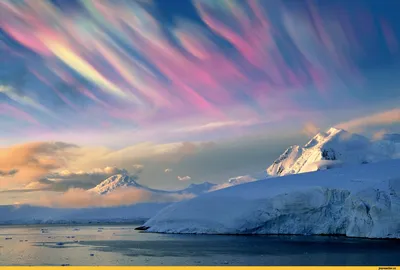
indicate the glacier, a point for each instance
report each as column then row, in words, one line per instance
column 356, row 201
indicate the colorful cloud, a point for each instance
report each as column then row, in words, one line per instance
column 118, row 61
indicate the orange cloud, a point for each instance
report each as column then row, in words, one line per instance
column 310, row 129
column 379, row 134
column 32, row 161
column 384, row 118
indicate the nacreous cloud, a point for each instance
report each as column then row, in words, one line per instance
column 184, row 70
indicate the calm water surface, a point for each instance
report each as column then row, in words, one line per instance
column 122, row 245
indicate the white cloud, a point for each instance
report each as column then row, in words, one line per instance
column 184, row 178
column 138, row 168
column 216, row 125
column 168, row 170
column 22, row 99
column 109, row 170
column 145, row 151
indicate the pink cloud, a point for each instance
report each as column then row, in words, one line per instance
column 191, row 76
column 17, row 114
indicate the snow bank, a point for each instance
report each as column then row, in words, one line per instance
column 359, row 201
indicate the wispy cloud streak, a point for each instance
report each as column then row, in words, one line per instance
column 134, row 68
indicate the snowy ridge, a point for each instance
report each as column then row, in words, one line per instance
column 123, row 180
column 197, row 189
column 334, row 148
column 357, row 200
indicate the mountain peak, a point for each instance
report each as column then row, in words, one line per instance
column 114, row 182
column 323, row 137
column 331, row 149
column 334, row 130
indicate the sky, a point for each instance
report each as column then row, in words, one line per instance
column 184, row 91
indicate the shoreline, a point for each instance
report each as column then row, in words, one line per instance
column 69, row 224
column 271, row 234
column 144, row 230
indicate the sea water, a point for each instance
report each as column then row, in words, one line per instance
column 123, row 245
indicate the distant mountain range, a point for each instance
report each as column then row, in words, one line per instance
column 124, row 180
column 333, row 148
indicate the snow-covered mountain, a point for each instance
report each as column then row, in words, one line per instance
column 114, row 182
column 334, row 148
column 124, row 180
column 356, row 200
